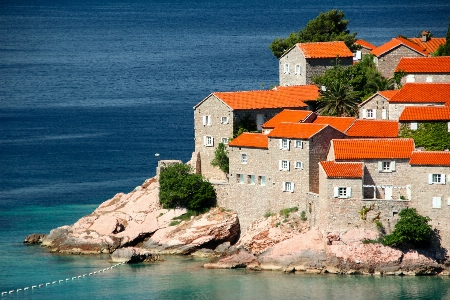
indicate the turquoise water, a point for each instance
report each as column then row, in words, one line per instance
column 91, row 90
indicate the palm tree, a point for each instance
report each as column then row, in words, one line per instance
column 338, row 99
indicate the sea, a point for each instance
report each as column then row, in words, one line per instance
column 92, row 90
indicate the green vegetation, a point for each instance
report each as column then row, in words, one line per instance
column 174, row 223
column 268, row 214
column 326, row 27
column 433, row 136
column 364, row 210
column 244, row 124
column 180, row 188
column 444, row 50
column 221, row 159
column 303, row 215
column 346, row 87
column 287, row 211
column 188, row 215
column 412, row 228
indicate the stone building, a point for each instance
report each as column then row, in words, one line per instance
column 430, row 44
column 365, row 49
column 302, row 62
column 412, row 116
column 376, row 107
column 388, row 55
column 425, row 69
column 217, row 116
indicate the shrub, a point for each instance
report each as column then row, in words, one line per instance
column 285, row 212
column 412, row 228
column 221, row 159
column 178, row 187
column 268, row 214
column 303, row 216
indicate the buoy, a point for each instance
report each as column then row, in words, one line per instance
column 34, row 286
column 26, row 288
column 4, row 293
column 41, row 285
column 67, row 279
column 79, row 276
column 47, row 283
column 53, row 282
column 90, row 274
column 12, row 291
column 95, row 272
column 156, row 154
column 19, row 290
column 60, row 280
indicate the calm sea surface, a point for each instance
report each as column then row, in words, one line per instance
column 91, row 90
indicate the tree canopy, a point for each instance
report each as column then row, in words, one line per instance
column 326, row 27
column 221, row 159
column 412, row 228
column 444, row 50
column 179, row 187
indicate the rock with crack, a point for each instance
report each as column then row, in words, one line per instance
column 132, row 255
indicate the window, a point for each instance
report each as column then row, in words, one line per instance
column 410, row 78
column 298, row 70
column 369, row 114
column 299, row 165
column 243, row 158
column 298, row 144
column 208, row 141
column 284, row 144
column 436, row 178
column 224, row 120
column 241, row 178
column 342, row 192
column 288, row 186
column 413, row 125
column 206, row 120
column 384, row 114
column 386, row 166
column 437, row 202
column 252, row 179
column 448, row 126
column 286, row 68
column 262, row 180
column 283, row 165
column 225, row 141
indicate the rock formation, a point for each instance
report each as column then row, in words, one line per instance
column 131, row 255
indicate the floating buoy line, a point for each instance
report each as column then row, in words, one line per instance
column 42, row 285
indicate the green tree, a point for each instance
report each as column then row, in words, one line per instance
column 412, row 228
column 433, row 136
column 179, row 187
column 221, row 159
column 444, row 50
column 326, row 27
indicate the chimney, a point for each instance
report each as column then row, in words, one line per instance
column 425, row 36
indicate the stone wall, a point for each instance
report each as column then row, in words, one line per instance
column 387, row 62
column 396, row 109
column 428, row 77
column 377, row 103
column 292, row 58
column 318, row 66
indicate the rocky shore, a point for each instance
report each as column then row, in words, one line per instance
column 134, row 227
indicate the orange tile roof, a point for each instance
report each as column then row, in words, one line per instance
column 365, row 44
column 296, row 130
column 372, row 148
column 325, row 50
column 250, row 140
column 438, row 64
column 431, row 45
column 430, row 158
column 279, row 97
column 388, row 94
column 373, row 129
column 287, row 116
column 425, row 113
column 394, row 43
column 423, row 93
column 340, row 123
column 342, row 170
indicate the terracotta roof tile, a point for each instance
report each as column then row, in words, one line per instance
column 388, row 94
column 250, row 140
column 431, row 45
column 342, row 170
column 296, row 130
column 340, row 123
column 425, row 113
column 365, row 44
column 395, row 42
column 280, row 97
column 439, row 64
column 372, row 148
column 287, row 116
column 423, row 93
column 373, row 129
column 325, row 50
column 430, row 158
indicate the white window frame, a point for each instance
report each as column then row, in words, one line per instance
column 385, row 166
column 288, row 186
column 224, row 120
column 252, row 180
column 286, row 69
column 225, row 141
column 448, row 127
column 298, row 165
column 244, row 158
column 298, row 70
column 413, row 125
column 342, row 192
column 436, row 178
column 384, row 114
column 262, row 180
column 437, row 202
column 284, row 144
column 298, row 144
column 208, row 141
column 283, row 165
column 207, row 120
column 241, row 179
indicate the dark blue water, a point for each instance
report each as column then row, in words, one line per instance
column 91, row 90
